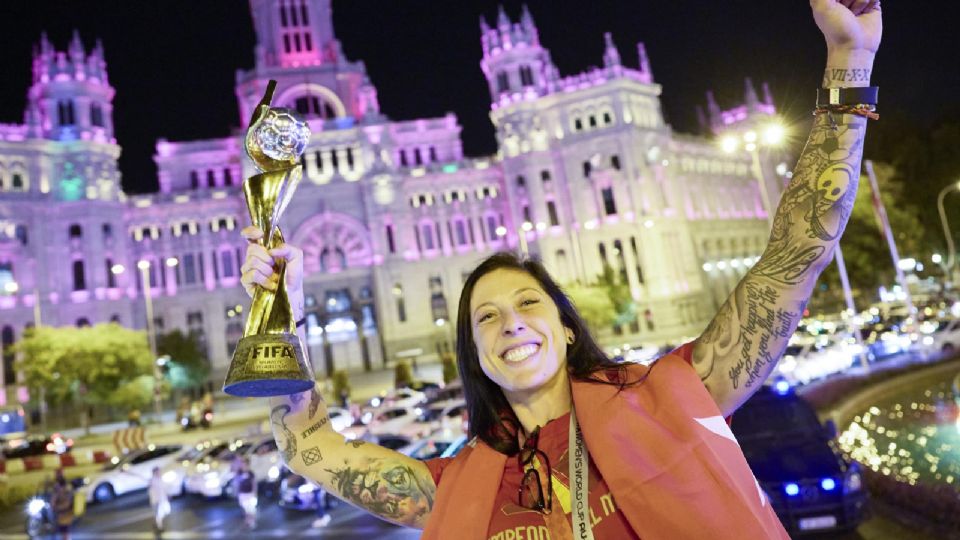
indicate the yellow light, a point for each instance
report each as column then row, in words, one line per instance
column 143, row 265
column 773, row 134
column 729, row 144
column 501, row 231
column 117, row 269
column 172, row 261
column 527, row 226
column 11, row 287
column 750, row 136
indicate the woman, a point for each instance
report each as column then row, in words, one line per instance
column 647, row 449
column 159, row 502
column 61, row 500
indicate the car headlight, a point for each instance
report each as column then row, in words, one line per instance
column 853, row 482
column 273, row 473
column 169, row 477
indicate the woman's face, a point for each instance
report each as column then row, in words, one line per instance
column 516, row 326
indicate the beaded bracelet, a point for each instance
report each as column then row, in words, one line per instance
column 864, row 110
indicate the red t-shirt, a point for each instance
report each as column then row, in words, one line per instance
column 513, row 522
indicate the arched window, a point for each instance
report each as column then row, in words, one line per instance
column 21, row 234
column 16, row 181
column 75, row 231
column 82, row 321
column 314, row 107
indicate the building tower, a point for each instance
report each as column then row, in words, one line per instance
column 513, row 61
column 297, row 47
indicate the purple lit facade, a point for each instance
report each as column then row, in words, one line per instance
column 391, row 216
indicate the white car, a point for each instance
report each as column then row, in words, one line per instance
column 440, row 415
column 340, row 419
column 213, row 476
column 404, row 397
column 940, row 336
column 435, row 445
column 129, row 473
column 805, row 361
column 391, row 420
column 174, row 475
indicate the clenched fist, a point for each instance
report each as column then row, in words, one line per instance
column 258, row 266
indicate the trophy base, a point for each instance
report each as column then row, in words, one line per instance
column 266, row 365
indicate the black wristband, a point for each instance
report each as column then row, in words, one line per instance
column 301, row 322
column 865, row 95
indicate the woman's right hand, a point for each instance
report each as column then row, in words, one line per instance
column 258, row 266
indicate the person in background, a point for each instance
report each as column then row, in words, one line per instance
column 159, row 501
column 247, row 494
column 61, row 500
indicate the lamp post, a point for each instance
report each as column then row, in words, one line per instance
column 771, row 135
column 951, row 249
column 521, row 234
column 144, row 266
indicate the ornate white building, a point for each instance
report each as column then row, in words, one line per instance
column 391, row 215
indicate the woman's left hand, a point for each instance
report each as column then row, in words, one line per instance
column 849, row 26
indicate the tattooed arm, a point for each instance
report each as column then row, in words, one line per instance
column 746, row 338
column 387, row 484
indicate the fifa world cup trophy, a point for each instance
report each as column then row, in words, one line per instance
column 269, row 359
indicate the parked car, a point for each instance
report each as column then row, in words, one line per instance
column 174, row 474
column 340, row 418
column 943, row 336
column 402, row 397
column 129, row 473
column 806, row 360
column 434, row 445
column 392, row 441
column 35, row 445
column 439, row 415
column 391, row 420
column 810, row 485
column 298, row 493
column 428, row 388
column 213, row 476
column 451, row 390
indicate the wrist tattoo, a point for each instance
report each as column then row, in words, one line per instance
column 843, row 75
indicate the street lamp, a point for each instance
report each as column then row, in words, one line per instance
column 144, row 266
column 771, row 135
column 951, row 249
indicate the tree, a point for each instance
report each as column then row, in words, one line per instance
column 188, row 366
column 95, row 362
column 606, row 303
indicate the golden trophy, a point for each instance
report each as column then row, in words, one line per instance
column 269, row 359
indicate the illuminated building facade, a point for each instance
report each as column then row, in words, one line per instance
column 391, row 215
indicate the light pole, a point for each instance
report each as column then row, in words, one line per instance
column 144, row 266
column 951, row 249
column 771, row 135
column 521, row 233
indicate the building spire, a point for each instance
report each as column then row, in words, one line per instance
column 76, row 47
column 503, row 22
column 611, row 56
column 526, row 19
column 644, row 60
column 767, row 96
column 713, row 110
column 484, row 27
column 750, row 94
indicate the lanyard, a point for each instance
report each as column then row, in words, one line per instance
column 579, row 474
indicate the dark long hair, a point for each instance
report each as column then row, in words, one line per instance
column 491, row 417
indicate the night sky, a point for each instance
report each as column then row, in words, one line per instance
column 173, row 62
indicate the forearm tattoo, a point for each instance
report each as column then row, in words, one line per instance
column 751, row 330
column 286, row 439
column 389, row 489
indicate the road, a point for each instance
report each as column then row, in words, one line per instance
column 130, row 518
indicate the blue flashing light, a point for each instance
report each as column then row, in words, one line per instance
column 792, row 489
column 828, row 484
column 782, row 387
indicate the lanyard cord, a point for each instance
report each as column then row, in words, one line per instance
column 578, row 475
